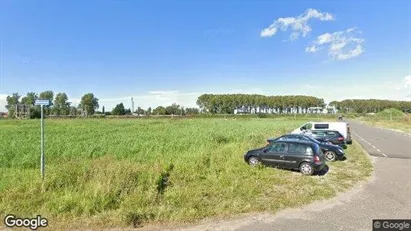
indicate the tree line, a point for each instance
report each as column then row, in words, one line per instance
column 370, row 105
column 23, row 106
column 227, row 103
column 207, row 103
column 18, row 105
column 173, row 109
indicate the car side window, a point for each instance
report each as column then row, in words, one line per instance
column 319, row 133
column 279, row 147
column 331, row 133
column 321, row 126
column 296, row 148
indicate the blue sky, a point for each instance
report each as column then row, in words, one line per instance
column 161, row 52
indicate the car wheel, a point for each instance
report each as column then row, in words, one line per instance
column 253, row 161
column 306, row 169
column 329, row 156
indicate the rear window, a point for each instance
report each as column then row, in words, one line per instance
column 333, row 133
column 321, row 126
column 318, row 133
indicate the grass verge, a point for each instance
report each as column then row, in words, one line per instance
column 122, row 173
column 402, row 124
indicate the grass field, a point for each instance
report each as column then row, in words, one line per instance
column 125, row 172
column 400, row 123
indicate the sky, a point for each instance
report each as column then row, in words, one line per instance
column 161, row 52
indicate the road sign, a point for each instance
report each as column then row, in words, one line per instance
column 43, row 102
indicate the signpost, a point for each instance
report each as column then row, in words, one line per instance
column 42, row 103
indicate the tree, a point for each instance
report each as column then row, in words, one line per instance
column 30, row 98
column 48, row 95
column 73, row 111
column 160, row 110
column 89, row 104
column 140, row 111
column 104, row 110
column 119, row 110
column 148, row 111
column 12, row 100
column 192, row 111
column 174, row 109
column 61, row 106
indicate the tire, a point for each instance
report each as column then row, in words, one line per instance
column 253, row 161
column 330, row 156
column 306, row 169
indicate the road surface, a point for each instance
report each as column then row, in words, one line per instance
column 387, row 195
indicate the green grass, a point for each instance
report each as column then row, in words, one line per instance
column 125, row 172
column 400, row 123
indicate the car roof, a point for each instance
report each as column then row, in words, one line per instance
column 296, row 141
column 328, row 130
column 300, row 135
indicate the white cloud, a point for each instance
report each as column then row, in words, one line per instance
column 342, row 45
column 299, row 25
column 3, row 102
column 407, row 81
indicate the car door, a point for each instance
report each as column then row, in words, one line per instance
column 294, row 155
column 274, row 154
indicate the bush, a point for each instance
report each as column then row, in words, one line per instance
column 391, row 112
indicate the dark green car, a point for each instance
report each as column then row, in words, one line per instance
column 307, row 157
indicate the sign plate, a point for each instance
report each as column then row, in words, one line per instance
column 43, row 102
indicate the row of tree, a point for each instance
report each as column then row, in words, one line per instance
column 59, row 104
column 370, row 105
column 227, row 103
column 173, row 109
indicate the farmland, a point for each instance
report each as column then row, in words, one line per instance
column 128, row 172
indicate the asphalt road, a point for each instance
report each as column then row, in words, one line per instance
column 386, row 196
column 381, row 142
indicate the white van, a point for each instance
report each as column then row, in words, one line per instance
column 342, row 127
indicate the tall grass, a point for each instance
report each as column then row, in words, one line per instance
column 392, row 119
column 130, row 172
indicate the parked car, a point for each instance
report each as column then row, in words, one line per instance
column 304, row 156
column 331, row 136
column 342, row 127
column 331, row 152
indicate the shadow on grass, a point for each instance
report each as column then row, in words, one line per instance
column 323, row 171
column 343, row 158
column 318, row 173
